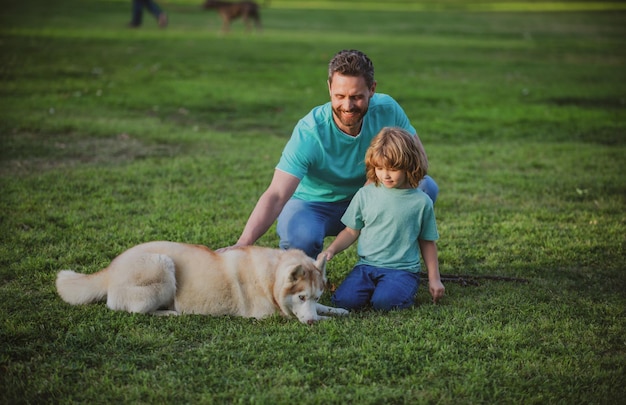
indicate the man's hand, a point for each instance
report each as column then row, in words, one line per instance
column 224, row 249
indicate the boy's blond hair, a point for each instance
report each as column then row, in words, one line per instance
column 395, row 148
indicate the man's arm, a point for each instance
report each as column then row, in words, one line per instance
column 268, row 207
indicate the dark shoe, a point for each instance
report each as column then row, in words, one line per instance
column 162, row 20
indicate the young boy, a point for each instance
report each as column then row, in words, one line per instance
column 394, row 222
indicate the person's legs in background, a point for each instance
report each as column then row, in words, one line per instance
column 137, row 14
column 152, row 7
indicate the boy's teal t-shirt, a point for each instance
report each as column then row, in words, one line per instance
column 329, row 163
column 391, row 222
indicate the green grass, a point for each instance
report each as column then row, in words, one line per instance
column 111, row 137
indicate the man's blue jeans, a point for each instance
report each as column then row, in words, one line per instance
column 383, row 289
column 304, row 225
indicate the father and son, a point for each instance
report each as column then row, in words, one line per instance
column 355, row 168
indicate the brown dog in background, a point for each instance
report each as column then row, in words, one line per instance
column 248, row 10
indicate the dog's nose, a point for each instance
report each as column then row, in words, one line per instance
column 311, row 321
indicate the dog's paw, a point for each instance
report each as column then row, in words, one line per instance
column 165, row 313
column 324, row 310
column 340, row 311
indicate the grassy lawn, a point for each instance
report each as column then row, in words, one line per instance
column 110, row 137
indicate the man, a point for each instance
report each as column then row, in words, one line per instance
column 322, row 165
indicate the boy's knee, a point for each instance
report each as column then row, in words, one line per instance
column 346, row 302
column 388, row 302
column 388, row 305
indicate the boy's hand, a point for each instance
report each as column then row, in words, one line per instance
column 437, row 290
column 329, row 255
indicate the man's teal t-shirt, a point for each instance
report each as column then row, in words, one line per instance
column 329, row 163
column 391, row 221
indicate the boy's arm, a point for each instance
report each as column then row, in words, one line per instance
column 429, row 253
column 345, row 238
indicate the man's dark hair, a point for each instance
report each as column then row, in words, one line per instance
column 351, row 62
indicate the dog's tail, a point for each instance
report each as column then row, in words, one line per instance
column 76, row 288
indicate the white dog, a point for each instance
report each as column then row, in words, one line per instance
column 176, row 278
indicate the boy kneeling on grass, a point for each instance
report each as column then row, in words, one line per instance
column 393, row 224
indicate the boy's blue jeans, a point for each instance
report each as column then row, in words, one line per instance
column 384, row 289
column 304, row 225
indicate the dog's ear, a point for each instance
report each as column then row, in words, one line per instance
column 297, row 273
column 321, row 264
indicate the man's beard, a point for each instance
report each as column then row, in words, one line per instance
column 352, row 121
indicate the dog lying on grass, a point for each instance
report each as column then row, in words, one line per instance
column 168, row 278
column 248, row 10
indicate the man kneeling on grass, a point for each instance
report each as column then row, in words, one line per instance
column 393, row 224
